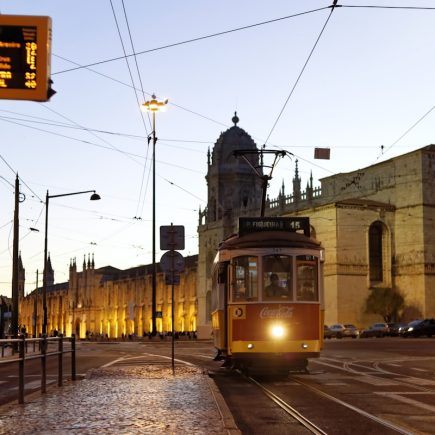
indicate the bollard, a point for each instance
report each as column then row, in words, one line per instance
column 59, row 361
column 44, row 364
column 73, row 357
column 22, row 345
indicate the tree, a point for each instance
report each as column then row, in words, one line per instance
column 386, row 302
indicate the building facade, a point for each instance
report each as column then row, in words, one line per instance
column 376, row 225
column 113, row 303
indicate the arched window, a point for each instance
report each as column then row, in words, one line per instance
column 376, row 261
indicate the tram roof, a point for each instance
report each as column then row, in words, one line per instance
column 269, row 239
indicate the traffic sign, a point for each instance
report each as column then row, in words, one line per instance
column 172, row 237
column 172, row 261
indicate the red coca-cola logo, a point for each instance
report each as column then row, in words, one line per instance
column 276, row 313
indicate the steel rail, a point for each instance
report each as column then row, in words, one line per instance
column 376, row 370
column 308, row 424
column 372, row 417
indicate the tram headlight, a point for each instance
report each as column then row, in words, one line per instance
column 250, row 346
column 277, row 331
column 304, row 346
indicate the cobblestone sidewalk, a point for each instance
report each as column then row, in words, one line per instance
column 139, row 400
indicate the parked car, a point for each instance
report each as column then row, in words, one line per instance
column 395, row 328
column 327, row 333
column 376, row 330
column 419, row 328
column 340, row 330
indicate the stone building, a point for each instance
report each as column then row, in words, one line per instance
column 376, row 224
column 111, row 302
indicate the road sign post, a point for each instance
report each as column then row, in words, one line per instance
column 172, row 263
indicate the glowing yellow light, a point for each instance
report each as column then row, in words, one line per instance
column 154, row 105
column 277, row 331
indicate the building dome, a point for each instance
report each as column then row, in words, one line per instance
column 235, row 138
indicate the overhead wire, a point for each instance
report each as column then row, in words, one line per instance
column 200, row 38
column 128, row 65
column 406, row 132
column 387, row 7
column 135, row 93
column 301, row 72
column 171, row 103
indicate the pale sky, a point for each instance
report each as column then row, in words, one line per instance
column 369, row 82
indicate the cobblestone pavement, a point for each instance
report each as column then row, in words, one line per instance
column 128, row 400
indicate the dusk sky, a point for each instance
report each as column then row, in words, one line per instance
column 358, row 80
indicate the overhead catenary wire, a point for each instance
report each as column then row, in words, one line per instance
column 128, row 65
column 200, row 38
column 406, row 132
column 135, row 93
column 300, row 74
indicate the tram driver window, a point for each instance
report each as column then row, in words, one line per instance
column 277, row 278
column 244, row 279
column 306, row 270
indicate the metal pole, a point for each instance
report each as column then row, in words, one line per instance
column 154, row 271
column 35, row 326
column 21, row 371
column 44, row 284
column 60, row 361
column 173, row 307
column 73, row 357
column 15, row 295
column 265, row 181
column 44, row 345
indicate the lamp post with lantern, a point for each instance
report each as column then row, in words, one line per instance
column 154, row 106
column 93, row 197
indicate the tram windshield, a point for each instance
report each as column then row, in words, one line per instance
column 244, row 278
column 306, row 275
column 277, row 277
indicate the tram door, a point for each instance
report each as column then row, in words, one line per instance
column 219, row 305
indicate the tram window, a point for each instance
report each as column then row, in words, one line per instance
column 244, row 279
column 307, row 285
column 277, row 278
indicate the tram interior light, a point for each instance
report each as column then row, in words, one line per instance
column 277, row 331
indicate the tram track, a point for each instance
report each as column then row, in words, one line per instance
column 376, row 371
column 290, row 410
column 309, row 424
column 372, row 417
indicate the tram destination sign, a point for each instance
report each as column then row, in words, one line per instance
column 25, row 45
column 293, row 224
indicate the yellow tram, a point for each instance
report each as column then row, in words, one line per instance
column 267, row 296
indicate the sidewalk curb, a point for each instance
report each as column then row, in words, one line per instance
column 225, row 413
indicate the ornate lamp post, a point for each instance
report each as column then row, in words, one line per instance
column 154, row 106
column 93, row 197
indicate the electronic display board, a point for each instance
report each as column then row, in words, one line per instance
column 249, row 225
column 25, row 54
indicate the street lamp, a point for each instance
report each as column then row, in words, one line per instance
column 93, row 197
column 154, row 106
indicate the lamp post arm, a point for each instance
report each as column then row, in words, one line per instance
column 45, row 274
column 69, row 194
